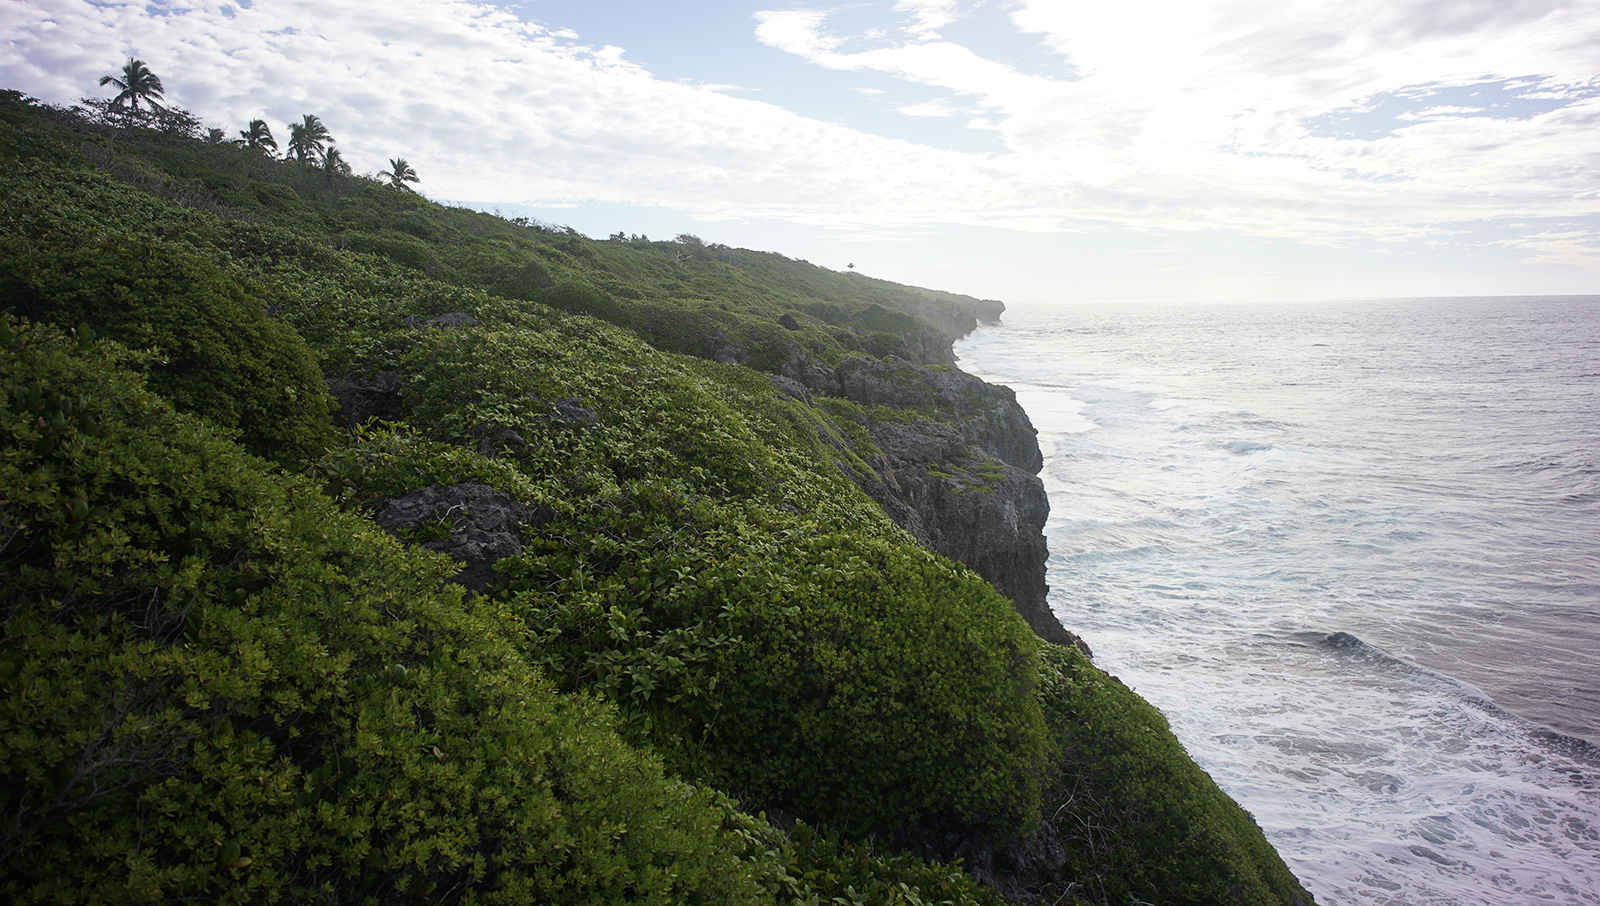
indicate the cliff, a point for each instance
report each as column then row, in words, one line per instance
column 954, row 461
column 582, row 586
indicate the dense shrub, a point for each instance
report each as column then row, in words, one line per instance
column 859, row 682
column 838, row 871
column 579, row 299
column 218, row 353
column 402, row 250
column 527, row 282
column 1139, row 820
column 216, row 688
column 705, row 569
column 874, row 685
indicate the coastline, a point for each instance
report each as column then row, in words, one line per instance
column 1171, row 552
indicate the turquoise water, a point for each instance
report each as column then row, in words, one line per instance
column 1350, row 549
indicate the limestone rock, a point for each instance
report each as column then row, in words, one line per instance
column 471, row 522
column 961, row 500
column 810, row 373
column 363, row 398
column 966, row 483
column 452, row 319
column 716, row 346
column 789, row 388
column 572, row 414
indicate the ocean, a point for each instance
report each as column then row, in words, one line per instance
column 1352, row 551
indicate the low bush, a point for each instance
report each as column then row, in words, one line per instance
column 873, row 685
column 1138, row 819
column 218, row 354
column 402, row 250
column 761, row 621
column 864, row 684
column 216, row 687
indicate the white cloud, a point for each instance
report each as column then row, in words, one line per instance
column 1180, row 116
column 1433, row 113
column 1192, row 114
column 942, row 64
column 929, row 15
column 939, row 108
column 1578, row 248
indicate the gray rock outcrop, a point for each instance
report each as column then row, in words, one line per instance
column 962, row 478
column 471, row 522
column 361, row 398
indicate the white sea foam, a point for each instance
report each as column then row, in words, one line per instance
column 1233, row 487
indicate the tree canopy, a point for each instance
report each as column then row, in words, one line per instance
column 137, row 84
column 399, row 173
column 308, row 138
column 258, row 137
column 334, row 164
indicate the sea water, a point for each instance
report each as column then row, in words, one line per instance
column 1352, row 551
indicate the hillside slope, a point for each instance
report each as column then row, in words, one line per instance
column 695, row 502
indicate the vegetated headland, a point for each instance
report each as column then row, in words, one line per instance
column 358, row 549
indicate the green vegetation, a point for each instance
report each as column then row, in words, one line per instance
column 258, row 137
column 137, row 84
column 221, row 681
column 1144, row 823
column 400, row 173
column 308, row 139
column 217, row 686
column 215, row 351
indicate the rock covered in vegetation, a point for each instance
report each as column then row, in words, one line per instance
column 961, row 501
column 956, row 465
column 572, row 414
column 955, row 317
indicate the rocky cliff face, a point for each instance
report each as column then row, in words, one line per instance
column 956, row 463
column 956, row 466
column 957, row 317
column 947, row 319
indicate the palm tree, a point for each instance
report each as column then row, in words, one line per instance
column 333, row 163
column 138, row 83
column 307, row 138
column 258, row 137
column 399, row 173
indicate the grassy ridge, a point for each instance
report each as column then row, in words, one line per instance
column 222, row 681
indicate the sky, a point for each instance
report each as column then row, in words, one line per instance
column 1023, row 150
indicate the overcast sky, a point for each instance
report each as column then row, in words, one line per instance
column 1026, row 150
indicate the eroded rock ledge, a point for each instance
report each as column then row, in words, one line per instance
column 956, row 466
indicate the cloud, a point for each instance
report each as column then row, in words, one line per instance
column 936, row 108
column 1569, row 245
column 924, row 59
column 1195, row 115
column 929, row 15
column 1166, row 118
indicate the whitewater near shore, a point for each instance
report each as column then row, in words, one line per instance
column 1347, row 549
